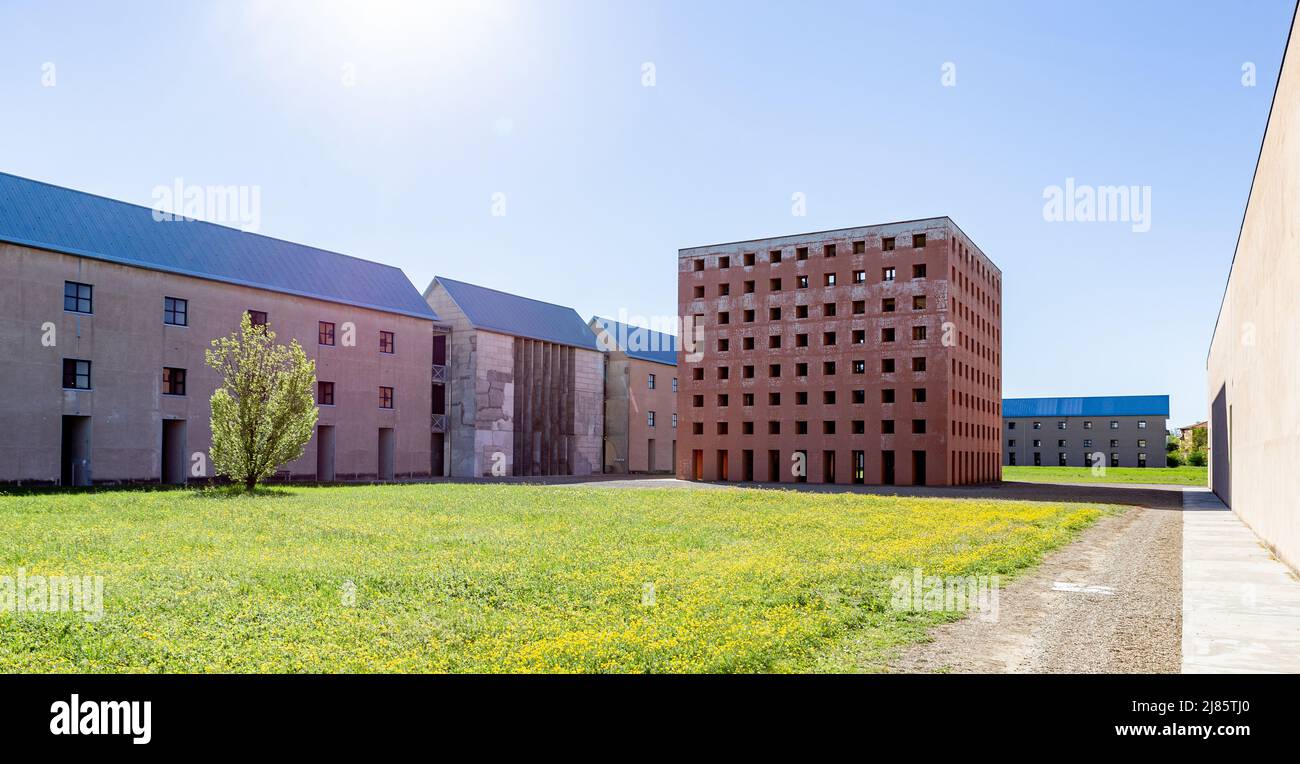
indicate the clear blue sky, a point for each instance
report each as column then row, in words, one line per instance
column 605, row 178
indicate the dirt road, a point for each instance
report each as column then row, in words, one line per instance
column 1109, row 602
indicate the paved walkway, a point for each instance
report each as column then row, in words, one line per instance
column 1241, row 606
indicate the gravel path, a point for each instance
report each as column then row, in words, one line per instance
column 1127, row 621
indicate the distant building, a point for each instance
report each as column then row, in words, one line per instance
column 1253, row 368
column 860, row 355
column 640, row 397
column 1187, row 435
column 526, row 388
column 105, row 314
column 1118, row 431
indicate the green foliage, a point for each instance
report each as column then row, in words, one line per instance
column 1200, row 440
column 264, row 411
column 500, row 578
column 1174, row 458
column 1196, row 458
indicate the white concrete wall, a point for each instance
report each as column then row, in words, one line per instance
column 1254, row 362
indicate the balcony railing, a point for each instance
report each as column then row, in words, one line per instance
column 439, row 423
column 440, row 373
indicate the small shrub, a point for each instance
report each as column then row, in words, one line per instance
column 1196, row 459
column 1174, row 459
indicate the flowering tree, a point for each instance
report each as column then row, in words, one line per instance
column 263, row 413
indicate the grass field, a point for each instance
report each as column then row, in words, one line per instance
column 482, row 578
column 1150, row 475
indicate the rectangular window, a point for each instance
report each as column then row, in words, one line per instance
column 828, row 279
column 674, row 421
column 1060, row 424
column 801, row 282
column 774, row 256
column 918, row 333
column 918, row 302
column 887, row 244
column 886, row 366
column 1060, row 459
column 650, row 418
column 325, row 393
column 859, row 277
column 918, row 271
column 385, row 397
column 173, row 381
column 887, row 426
column 918, row 426
column 1114, row 425
column 859, row 367
column 78, row 298
column 724, row 262
column 887, row 334
column 1142, row 424
column 324, row 333
column 76, row 374
column 386, row 342
column 674, row 384
column 918, row 395
column 176, row 311
column 724, row 290
column 918, row 240
column 887, row 305
column 918, row 363
column 887, row 395
column 887, row 274
column 801, row 253
column 650, row 381
column 774, row 314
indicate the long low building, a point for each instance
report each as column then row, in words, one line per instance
column 1118, row 431
column 105, row 314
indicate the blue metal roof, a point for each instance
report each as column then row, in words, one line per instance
column 511, row 314
column 44, row 216
column 1108, row 405
column 638, row 341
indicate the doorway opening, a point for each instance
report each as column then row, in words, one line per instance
column 75, row 458
column 886, row 467
column 325, row 452
column 918, row 468
column 173, row 451
column 386, row 471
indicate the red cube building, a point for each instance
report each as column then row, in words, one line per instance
column 862, row 355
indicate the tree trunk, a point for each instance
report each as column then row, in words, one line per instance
column 250, row 484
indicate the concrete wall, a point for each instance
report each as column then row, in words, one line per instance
column 1254, row 360
column 519, row 406
column 628, row 401
column 1128, row 433
column 961, row 350
column 128, row 345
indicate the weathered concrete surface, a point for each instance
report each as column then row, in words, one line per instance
column 632, row 444
column 1241, row 606
column 519, row 406
column 1254, row 360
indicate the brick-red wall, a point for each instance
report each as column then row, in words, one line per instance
column 961, row 379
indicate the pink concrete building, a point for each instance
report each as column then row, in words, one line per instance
column 640, row 397
column 105, row 314
column 860, row 355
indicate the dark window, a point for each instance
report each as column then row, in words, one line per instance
column 918, row 363
column 650, row 419
column 385, row 342
column 176, row 311
column 257, row 317
column 650, row 381
column 918, row 240
column 76, row 374
column 385, row 397
column 325, row 333
column 887, row 244
column 173, row 381
column 78, row 298
column 886, row 366
column 828, row 250
column 325, row 393
column 918, row 271
column 918, row 302
column 918, row 426
column 774, row 256
column 887, row 426
column 887, row 274
column 918, row 332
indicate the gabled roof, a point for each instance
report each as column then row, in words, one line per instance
column 1109, row 405
column 506, row 313
column 43, row 216
column 637, row 341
